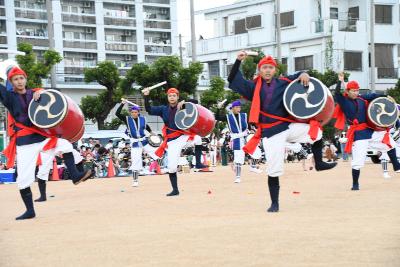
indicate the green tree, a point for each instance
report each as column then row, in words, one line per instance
column 167, row 69
column 395, row 92
column 97, row 108
column 34, row 68
column 216, row 92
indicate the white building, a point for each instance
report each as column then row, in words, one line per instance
column 315, row 34
column 87, row 32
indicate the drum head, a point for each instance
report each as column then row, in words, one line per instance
column 187, row 116
column 49, row 111
column 383, row 112
column 155, row 140
column 305, row 103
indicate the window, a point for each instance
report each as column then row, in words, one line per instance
column 303, row 63
column 383, row 14
column 226, row 26
column 284, row 61
column 240, row 26
column 334, row 13
column 354, row 13
column 213, row 68
column 253, row 22
column 353, row 61
column 287, row 19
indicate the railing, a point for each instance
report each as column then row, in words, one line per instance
column 388, row 73
column 119, row 22
column 33, row 41
column 27, row 14
column 119, row 13
column 123, row 64
column 220, row 44
column 157, row 24
column 158, row 49
column 80, row 44
column 121, row 47
column 164, row 2
column 80, row 63
column 78, row 19
column 349, row 25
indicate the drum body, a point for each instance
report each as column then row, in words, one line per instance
column 382, row 113
column 57, row 114
column 314, row 102
column 195, row 119
column 155, row 140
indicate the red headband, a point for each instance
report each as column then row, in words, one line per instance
column 267, row 60
column 172, row 91
column 352, row 85
column 15, row 71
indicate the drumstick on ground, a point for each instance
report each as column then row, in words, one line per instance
column 155, row 86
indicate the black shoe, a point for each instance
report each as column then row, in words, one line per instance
column 27, row 215
column 41, row 199
column 86, row 175
column 355, row 187
column 274, row 207
column 173, row 193
column 201, row 166
column 322, row 166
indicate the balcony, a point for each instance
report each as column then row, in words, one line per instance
column 30, row 4
column 123, row 64
column 119, row 22
column 119, row 13
column 388, row 73
column 83, row 44
column 157, row 24
column 35, row 41
column 28, row 14
column 164, row 2
column 220, row 44
column 72, row 18
column 158, row 49
column 121, row 47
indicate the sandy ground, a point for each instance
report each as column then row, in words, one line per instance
column 106, row 222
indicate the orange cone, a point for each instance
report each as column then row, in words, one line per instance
column 55, row 176
column 111, row 170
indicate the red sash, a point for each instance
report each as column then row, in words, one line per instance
column 175, row 133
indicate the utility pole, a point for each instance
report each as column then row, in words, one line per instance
column 372, row 44
column 180, row 48
column 50, row 32
column 278, row 30
column 193, row 31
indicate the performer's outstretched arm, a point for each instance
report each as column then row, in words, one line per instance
column 5, row 97
column 371, row 96
column 148, row 128
column 238, row 84
column 119, row 115
column 152, row 110
column 219, row 116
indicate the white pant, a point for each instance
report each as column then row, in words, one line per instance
column 137, row 156
column 27, row 156
column 175, row 148
column 295, row 147
column 360, row 147
column 274, row 146
column 47, row 164
column 213, row 156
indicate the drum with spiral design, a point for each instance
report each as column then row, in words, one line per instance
column 57, row 115
column 195, row 119
column 382, row 113
column 314, row 102
column 155, row 140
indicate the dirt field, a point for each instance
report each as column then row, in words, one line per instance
column 106, row 222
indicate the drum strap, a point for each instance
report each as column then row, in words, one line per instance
column 251, row 146
column 11, row 150
column 174, row 133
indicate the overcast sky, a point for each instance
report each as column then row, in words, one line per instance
column 203, row 27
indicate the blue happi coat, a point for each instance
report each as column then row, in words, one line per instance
column 236, row 127
column 137, row 132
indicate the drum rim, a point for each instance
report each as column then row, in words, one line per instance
column 369, row 113
column 316, row 113
column 152, row 143
column 62, row 116
column 82, row 130
column 194, row 122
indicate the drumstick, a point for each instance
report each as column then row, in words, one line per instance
column 155, row 86
column 129, row 102
column 251, row 53
column 221, row 104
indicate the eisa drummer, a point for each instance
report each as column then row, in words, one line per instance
column 353, row 109
column 136, row 125
column 27, row 142
column 270, row 115
column 174, row 139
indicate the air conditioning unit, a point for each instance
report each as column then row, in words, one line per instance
column 89, row 30
column 89, row 56
column 127, row 8
column 128, row 57
column 127, row 33
column 87, row 4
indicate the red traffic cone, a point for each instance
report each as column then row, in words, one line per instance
column 55, row 176
column 111, row 169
